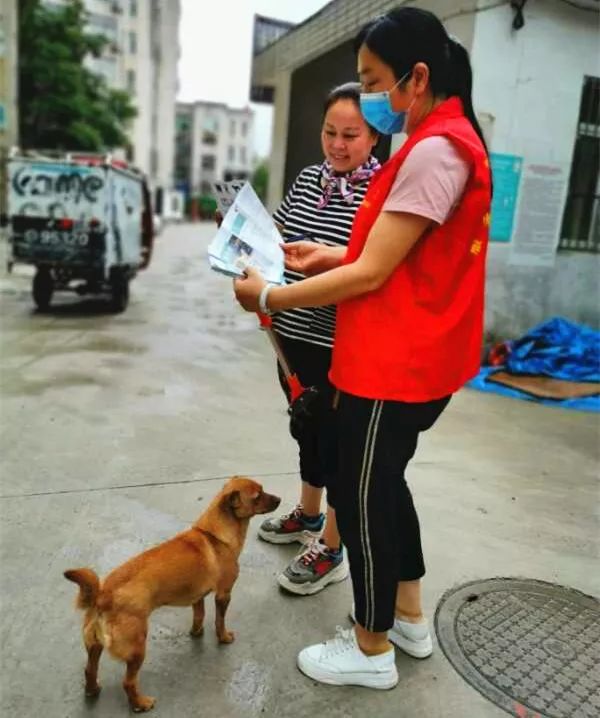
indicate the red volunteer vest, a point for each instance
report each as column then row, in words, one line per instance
column 419, row 336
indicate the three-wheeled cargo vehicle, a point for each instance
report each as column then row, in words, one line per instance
column 84, row 221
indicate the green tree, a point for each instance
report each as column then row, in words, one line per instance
column 260, row 180
column 62, row 104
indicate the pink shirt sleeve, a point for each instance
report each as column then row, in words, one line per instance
column 430, row 181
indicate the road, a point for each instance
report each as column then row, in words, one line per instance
column 117, row 430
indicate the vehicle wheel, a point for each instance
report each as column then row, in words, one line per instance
column 42, row 288
column 119, row 290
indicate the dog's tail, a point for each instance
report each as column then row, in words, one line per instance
column 89, row 585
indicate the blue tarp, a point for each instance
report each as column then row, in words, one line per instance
column 557, row 348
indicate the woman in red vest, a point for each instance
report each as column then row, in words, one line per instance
column 409, row 291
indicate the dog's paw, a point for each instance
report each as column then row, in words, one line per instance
column 143, row 704
column 197, row 632
column 227, row 637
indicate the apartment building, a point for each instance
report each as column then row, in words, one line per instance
column 141, row 58
column 213, row 142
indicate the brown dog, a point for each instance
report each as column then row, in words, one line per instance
column 178, row 572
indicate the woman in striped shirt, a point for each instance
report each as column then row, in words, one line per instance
column 320, row 207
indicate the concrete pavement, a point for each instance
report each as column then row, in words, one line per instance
column 116, row 430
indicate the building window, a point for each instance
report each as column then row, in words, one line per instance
column 581, row 219
column 133, row 8
column 210, row 129
column 182, row 123
column 208, row 162
column 232, row 128
column 243, row 155
column 132, row 43
column 105, row 66
column 131, row 81
column 103, row 25
column 231, row 153
column 244, row 129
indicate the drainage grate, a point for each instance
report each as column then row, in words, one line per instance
column 530, row 647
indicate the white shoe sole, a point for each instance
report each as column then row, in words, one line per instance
column 379, row 681
column 339, row 573
column 299, row 536
column 414, row 649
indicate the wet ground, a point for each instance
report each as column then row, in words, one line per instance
column 116, row 430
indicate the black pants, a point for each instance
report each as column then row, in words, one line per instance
column 318, row 446
column 374, row 507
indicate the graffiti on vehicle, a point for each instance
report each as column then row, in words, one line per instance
column 31, row 181
column 56, row 210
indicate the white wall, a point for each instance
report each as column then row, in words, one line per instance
column 196, row 128
column 140, row 63
column 155, row 80
column 275, row 189
column 242, row 144
column 205, row 116
column 166, row 97
column 530, row 81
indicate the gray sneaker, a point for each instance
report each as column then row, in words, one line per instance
column 313, row 568
column 291, row 527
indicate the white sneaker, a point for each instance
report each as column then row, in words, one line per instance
column 340, row 662
column 412, row 638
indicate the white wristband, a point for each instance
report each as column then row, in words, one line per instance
column 262, row 300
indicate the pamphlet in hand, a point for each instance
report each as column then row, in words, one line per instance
column 225, row 193
column 247, row 237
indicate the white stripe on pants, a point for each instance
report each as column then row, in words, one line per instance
column 364, row 513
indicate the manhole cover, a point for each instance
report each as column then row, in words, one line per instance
column 530, row 647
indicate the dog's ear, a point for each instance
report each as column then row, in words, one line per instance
column 235, row 500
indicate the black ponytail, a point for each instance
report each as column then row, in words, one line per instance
column 408, row 35
column 461, row 83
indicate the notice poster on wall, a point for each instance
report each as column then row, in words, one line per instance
column 539, row 217
column 506, row 173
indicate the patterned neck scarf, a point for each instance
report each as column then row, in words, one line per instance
column 345, row 183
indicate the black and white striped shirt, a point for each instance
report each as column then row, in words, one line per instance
column 330, row 225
